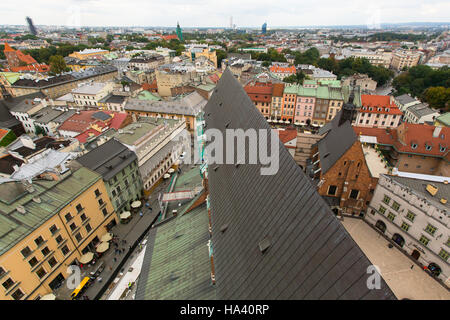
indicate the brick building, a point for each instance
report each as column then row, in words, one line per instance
column 345, row 169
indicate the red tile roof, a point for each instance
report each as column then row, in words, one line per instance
column 287, row 135
column 170, row 36
column 278, row 89
column 3, row 133
column 116, row 123
column 379, row 104
column 150, row 86
column 259, row 92
column 407, row 134
column 8, row 48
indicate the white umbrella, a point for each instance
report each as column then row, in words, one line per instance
column 275, row 121
column 136, row 204
column 166, row 176
column 106, row 237
column 125, row 215
column 86, row 258
column 171, row 170
column 297, row 123
column 269, row 120
column 49, row 296
column 102, row 247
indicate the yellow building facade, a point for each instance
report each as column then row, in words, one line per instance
column 49, row 227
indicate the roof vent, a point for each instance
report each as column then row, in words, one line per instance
column 224, row 228
column 37, row 200
column 264, row 244
column 215, row 168
column 432, row 189
column 21, row 209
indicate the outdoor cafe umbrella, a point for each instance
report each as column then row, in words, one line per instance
column 125, row 215
column 136, row 204
column 106, row 237
column 49, row 296
column 102, row 247
column 171, row 170
column 166, row 176
column 86, row 258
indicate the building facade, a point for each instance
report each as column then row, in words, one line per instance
column 414, row 213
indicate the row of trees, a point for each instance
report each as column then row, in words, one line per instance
column 431, row 86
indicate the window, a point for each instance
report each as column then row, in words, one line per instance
column 45, row 251
column 8, row 283
column 79, row 207
column 410, row 216
column 83, row 217
column 447, row 244
column 78, row 237
column 382, row 209
column 97, row 193
column 26, row 252
column 391, row 216
column 17, row 295
column 354, row 194
column 100, row 202
column 395, row 206
column 114, row 193
column 73, row 226
column 105, row 212
column 59, row 239
column 386, row 199
column 88, row 228
column 39, row 240
column 424, row 240
column 53, row 229
column 332, row 190
column 68, row 217
column 33, row 261
column 65, row 250
column 430, row 229
column 41, row 273
column 52, row 262
column 444, row 254
column 2, row 271
column 405, row 226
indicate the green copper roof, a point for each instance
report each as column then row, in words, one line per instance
column 444, row 119
column 147, row 95
column 53, row 196
column 178, row 264
column 11, row 77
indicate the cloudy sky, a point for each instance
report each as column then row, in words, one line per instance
column 216, row 13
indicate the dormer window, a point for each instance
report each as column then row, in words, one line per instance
column 387, row 110
column 428, row 147
column 414, row 145
column 442, row 148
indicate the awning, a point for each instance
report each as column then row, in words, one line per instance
column 86, row 258
column 125, row 215
column 136, row 204
column 49, row 296
column 106, row 237
column 102, row 247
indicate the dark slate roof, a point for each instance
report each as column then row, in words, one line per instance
column 101, row 116
column 108, row 159
column 40, row 144
column 311, row 255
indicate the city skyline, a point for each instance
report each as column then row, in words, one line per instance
column 214, row 14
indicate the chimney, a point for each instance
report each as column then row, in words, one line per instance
column 436, row 132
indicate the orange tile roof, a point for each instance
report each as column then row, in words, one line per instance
column 3, row 133
column 287, row 135
column 278, row 89
column 8, row 48
column 278, row 69
column 406, row 134
column 378, row 104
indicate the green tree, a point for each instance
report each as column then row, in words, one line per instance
column 57, row 64
column 438, row 97
column 220, row 56
column 297, row 78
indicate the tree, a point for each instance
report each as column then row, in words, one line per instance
column 438, row 97
column 220, row 56
column 297, row 78
column 57, row 64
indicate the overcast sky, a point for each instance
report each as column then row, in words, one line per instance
column 217, row 13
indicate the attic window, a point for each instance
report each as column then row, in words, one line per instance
column 264, row 245
column 387, row 109
column 428, row 147
column 414, row 145
column 326, row 155
column 441, row 148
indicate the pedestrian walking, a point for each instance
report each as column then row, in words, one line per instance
column 140, row 213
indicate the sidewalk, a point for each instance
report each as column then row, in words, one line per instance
column 131, row 232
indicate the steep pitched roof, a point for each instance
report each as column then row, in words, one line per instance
column 310, row 254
